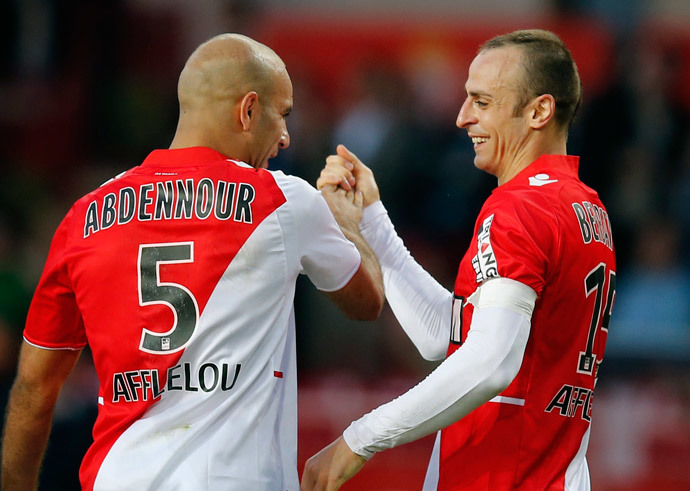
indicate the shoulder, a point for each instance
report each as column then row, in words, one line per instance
column 524, row 203
column 111, row 185
column 288, row 181
column 297, row 191
column 519, row 219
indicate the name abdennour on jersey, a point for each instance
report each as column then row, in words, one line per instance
column 171, row 200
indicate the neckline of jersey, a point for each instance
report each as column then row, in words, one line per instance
column 564, row 165
column 190, row 156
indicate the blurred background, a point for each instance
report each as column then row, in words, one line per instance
column 88, row 89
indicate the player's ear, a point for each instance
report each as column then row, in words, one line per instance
column 247, row 108
column 542, row 110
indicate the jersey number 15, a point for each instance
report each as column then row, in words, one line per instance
column 596, row 284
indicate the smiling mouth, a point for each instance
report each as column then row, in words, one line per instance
column 478, row 139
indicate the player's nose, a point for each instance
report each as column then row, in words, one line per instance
column 466, row 115
column 284, row 139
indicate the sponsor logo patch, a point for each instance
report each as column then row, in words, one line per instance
column 484, row 263
column 541, row 180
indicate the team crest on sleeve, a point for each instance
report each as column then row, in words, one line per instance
column 484, row 263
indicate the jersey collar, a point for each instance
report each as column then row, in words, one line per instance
column 185, row 156
column 550, row 165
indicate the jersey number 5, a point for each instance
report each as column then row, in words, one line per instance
column 180, row 300
column 596, row 284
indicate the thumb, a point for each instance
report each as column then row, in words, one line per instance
column 345, row 153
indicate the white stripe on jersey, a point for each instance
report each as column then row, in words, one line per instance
column 508, row 400
column 433, row 472
column 577, row 474
column 225, row 439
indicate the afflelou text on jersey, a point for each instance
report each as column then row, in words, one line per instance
column 148, row 384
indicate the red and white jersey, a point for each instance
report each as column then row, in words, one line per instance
column 180, row 276
column 546, row 229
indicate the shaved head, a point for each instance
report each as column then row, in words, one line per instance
column 225, row 68
column 234, row 94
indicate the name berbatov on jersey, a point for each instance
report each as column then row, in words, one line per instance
column 594, row 223
column 145, row 385
column 171, row 200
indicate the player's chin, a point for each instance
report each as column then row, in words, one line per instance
column 263, row 163
column 482, row 164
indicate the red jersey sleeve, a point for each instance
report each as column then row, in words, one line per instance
column 515, row 239
column 54, row 320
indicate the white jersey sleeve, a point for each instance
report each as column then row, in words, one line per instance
column 480, row 369
column 420, row 303
column 325, row 255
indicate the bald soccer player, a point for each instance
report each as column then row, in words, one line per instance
column 179, row 274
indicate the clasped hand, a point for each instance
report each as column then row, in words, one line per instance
column 348, row 186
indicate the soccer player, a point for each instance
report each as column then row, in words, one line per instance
column 180, row 276
column 525, row 327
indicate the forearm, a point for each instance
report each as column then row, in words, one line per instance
column 362, row 297
column 367, row 284
column 25, row 436
column 476, row 372
column 421, row 304
column 370, row 262
column 40, row 375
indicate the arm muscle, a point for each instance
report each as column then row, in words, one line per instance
column 40, row 376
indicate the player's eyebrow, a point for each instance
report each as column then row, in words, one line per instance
column 478, row 93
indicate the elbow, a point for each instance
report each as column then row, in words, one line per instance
column 363, row 315
column 496, row 385
column 368, row 309
column 502, row 378
column 362, row 298
column 433, row 343
column 430, row 353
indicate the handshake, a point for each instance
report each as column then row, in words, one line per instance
column 348, row 186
